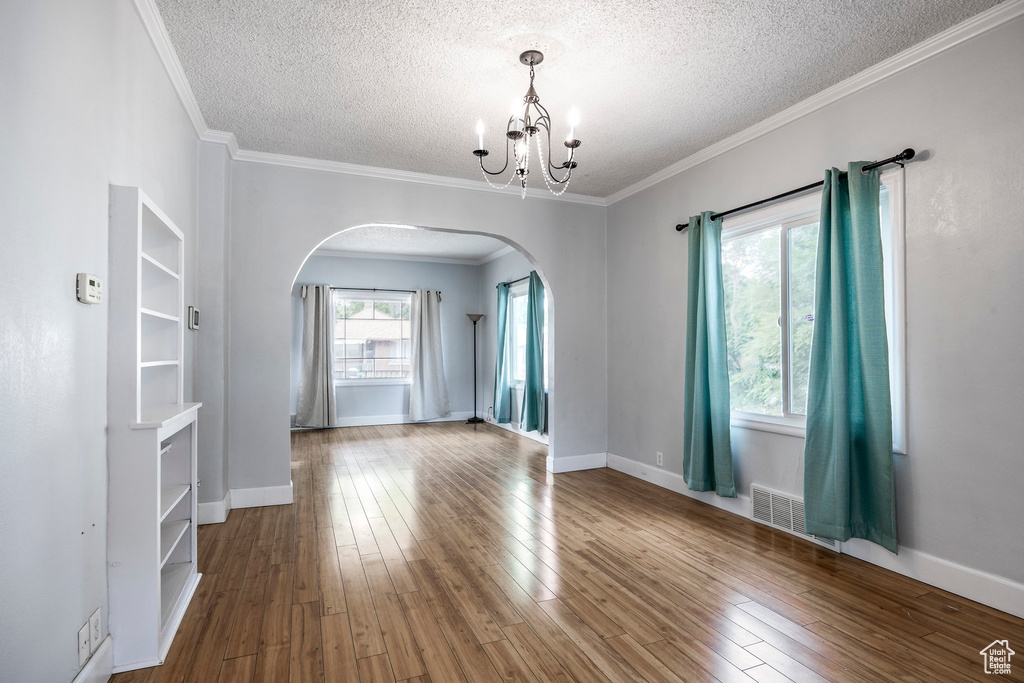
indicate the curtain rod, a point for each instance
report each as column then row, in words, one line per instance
column 905, row 155
column 368, row 289
column 512, row 282
column 375, row 289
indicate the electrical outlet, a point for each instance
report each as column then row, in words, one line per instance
column 661, row 459
column 83, row 645
column 94, row 630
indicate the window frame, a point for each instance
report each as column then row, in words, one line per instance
column 374, row 296
column 794, row 213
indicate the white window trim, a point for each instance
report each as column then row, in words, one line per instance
column 800, row 207
column 375, row 296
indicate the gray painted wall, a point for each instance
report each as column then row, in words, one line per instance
column 279, row 215
column 85, row 103
column 958, row 490
column 460, row 294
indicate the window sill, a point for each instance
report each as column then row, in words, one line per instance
column 371, row 382
column 790, row 426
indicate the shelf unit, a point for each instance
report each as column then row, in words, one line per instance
column 151, row 449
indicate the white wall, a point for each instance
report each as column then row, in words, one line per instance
column 459, row 285
column 278, row 215
column 959, row 489
column 214, row 278
column 85, row 103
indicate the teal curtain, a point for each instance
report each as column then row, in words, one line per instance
column 848, row 477
column 502, row 392
column 531, row 418
column 707, row 452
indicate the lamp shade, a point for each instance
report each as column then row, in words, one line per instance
column 474, row 316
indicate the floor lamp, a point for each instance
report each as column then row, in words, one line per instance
column 475, row 317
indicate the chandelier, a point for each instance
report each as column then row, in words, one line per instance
column 530, row 121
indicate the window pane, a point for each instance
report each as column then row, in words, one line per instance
column 752, row 312
column 803, row 246
column 358, row 369
column 371, row 338
column 519, row 338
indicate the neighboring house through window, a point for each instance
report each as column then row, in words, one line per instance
column 371, row 337
column 768, row 261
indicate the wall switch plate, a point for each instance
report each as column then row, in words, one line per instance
column 94, row 630
column 89, row 288
column 83, row 645
column 661, row 459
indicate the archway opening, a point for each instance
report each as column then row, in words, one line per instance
column 372, row 270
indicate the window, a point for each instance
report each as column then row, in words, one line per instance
column 768, row 272
column 371, row 338
column 516, row 346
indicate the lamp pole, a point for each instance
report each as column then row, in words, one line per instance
column 474, row 317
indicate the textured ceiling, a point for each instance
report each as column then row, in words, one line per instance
column 400, row 84
column 399, row 241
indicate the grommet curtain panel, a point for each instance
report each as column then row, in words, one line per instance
column 428, row 392
column 848, row 472
column 531, row 417
column 502, row 379
column 317, row 405
column 707, row 448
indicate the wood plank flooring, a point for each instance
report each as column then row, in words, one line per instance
column 445, row 552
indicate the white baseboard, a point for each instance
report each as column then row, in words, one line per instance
column 372, row 420
column 215, row 512
column 260, row 497
column 509, row 427
column 100, row 666
column 988, row 589
column 575, row 463
column 675, row 482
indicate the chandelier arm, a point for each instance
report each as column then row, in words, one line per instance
column 550, row 173
column 503, row 168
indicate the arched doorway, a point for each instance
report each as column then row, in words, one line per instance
column 392, row 259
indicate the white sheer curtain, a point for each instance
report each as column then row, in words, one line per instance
column 428, row 394
column 317, row 404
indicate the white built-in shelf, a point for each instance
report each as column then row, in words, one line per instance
column 158, row 417
column 171, row 496
column 170, row 534
column 151, row 433
column 173, row 578
column 156, row 363
column 149, row 259
column 157, row 314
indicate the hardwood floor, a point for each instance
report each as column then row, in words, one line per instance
column 446, row 552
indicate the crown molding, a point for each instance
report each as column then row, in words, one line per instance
column 394, row 174
column 379, row 256
column 937, row 44
column 154, row 23
column 507, row 249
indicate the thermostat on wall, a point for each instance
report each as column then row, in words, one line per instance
column 89, row 289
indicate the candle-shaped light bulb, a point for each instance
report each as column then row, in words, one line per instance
column 480, row 132
column 516, row 114
column 574, row 120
